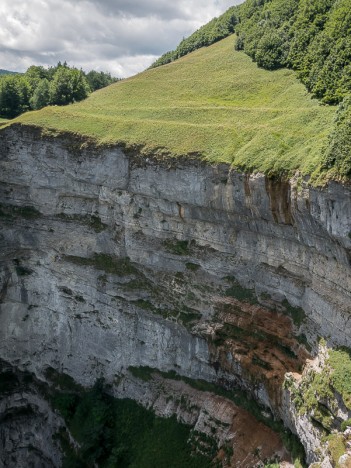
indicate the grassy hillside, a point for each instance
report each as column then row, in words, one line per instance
column 214, row 102
column 309, row 36
column 214, row 31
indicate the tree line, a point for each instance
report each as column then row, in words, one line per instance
column 214, row 31
column 312, row 37
column 39, row 87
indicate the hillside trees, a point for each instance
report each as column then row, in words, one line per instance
column 98, row 80
column 41, row 95
column 14, row 95
column 311, row 36
column 214, row 31
column 68, row 85
column 39, row 87
column 338, row 151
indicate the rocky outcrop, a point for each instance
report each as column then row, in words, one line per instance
column 111, row 259
column 28, row 425
column 243, row 441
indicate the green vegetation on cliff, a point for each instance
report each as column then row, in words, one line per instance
column 113, row 432
column 321, row 389
column 215, row 104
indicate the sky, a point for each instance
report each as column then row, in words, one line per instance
column 122, row 37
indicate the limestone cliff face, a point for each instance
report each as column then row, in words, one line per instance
column 28, row 425
column 111, row 260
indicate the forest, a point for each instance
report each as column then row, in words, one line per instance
column 39, row 87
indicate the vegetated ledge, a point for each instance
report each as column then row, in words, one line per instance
column 214, row 104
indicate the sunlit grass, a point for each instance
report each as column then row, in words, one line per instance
column 214, row 102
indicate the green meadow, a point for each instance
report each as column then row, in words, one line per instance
column 214, row 103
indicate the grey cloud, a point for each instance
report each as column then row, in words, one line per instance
column 121, row 37
column 141, row 8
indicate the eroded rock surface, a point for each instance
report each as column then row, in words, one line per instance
column 111, row 260
column 28, row 425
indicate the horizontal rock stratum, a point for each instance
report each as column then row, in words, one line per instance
column 111, row 262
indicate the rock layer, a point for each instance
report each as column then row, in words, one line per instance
column 28, row 425
column 111, row 259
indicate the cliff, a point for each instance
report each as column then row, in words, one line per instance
column 113, row 264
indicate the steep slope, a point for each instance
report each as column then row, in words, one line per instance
column 309, row 36
column 134, row 250
column 214, row 31
column 113, row 262
column 215, row 104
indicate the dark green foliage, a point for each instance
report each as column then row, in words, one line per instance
column 239, row 397
column 192, row 266
column 41, row 95
column 165, row 58
column 240, row 293
column 92, row 221
column 14, row 95
column 62, row 381
column 214, row 31
column 310, row 36
column 35, row 74
column 177, row 247
column 26, row 212
column 296, row 313
column 142, row 372
column 120, row 433
column 302, row 339
column 98, row 80
column 338, row 152
column 105, row 262
column 68, row 85
column 23, row 271
column 271, row 50
column 143, row 304
column 39, row 87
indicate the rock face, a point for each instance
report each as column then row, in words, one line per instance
column 28, row 425
column 110, row 259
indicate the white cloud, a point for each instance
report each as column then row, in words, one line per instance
column 120, row 36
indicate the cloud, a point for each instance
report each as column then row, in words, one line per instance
column 119, row 36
